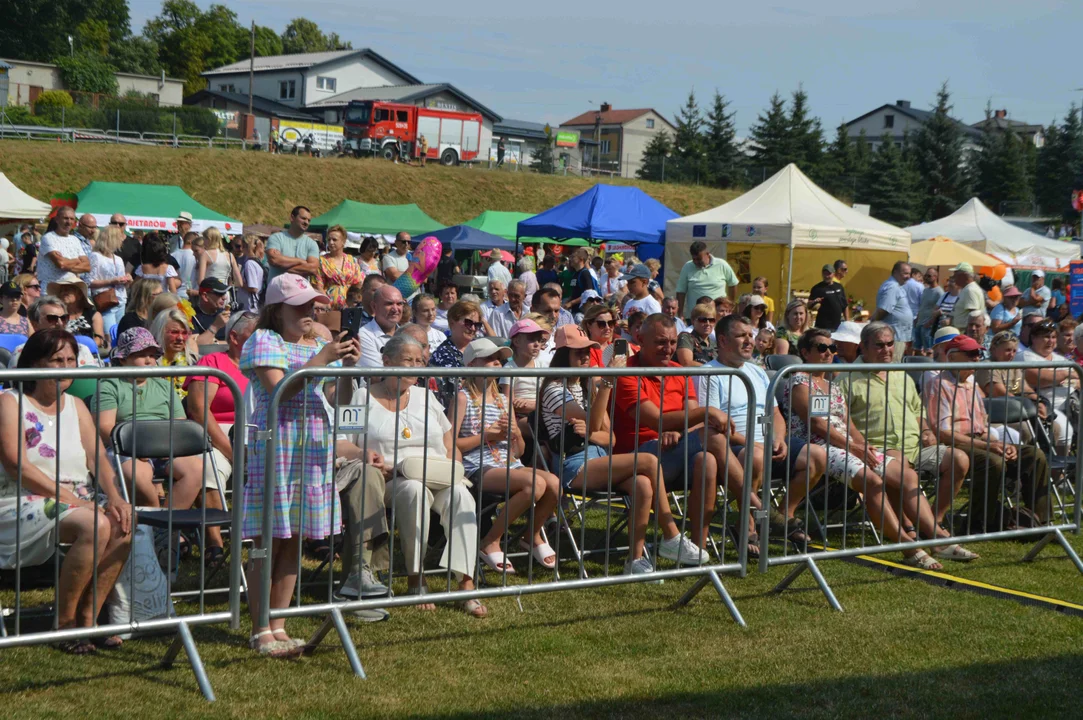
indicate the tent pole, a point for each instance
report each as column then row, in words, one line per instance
column 789, row 278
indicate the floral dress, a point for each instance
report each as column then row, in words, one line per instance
column 304, row 498
column 446, row 356
column 34, row 515
column 19, row 327
column 338, row 276
column 840, row 463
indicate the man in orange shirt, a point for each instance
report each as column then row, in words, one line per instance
column 645, row 404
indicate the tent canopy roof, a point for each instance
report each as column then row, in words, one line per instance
column 499, row 222
column 465, row 237
column 17, row 205
column 789, row 209
column 160, row 203
column 604, row 212
column 975, row 224
column 376, row 219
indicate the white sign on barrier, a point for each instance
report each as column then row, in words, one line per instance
column 351, row 418
column 819, row 405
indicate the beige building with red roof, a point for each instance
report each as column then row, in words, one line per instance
column 622, row 135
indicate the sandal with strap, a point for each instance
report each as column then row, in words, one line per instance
column 112, row 642
column 922, row 561
column 275, row 649
column 474, row 608
column 76, row 647
column 956, row 552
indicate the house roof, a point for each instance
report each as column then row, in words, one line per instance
column 522, row 128
column 612, row 117
column 259, row 104
column 1001, row 123
column 403, row 94
column 922, row 116
column 306, row 61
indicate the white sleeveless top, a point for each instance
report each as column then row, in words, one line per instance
column 40, row 445
column 219, row 266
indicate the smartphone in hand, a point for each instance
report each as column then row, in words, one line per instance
column 351, row 321
column 620, row 347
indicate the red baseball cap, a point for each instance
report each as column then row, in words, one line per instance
column 963, row 343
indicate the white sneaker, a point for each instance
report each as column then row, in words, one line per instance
column 681, row 547
column 366, row 585
column 639, row 566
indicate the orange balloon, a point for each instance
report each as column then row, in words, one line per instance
column 997, row 272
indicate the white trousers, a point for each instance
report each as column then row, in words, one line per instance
column 413, row 503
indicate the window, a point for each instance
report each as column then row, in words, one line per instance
column 605, row 147
column 326, row 83
column 382, row 115
column 650, row 123
column 287, row 89
column 402, row 116
column 227, row 88
column 889, row 121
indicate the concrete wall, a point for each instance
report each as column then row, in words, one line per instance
column 170, row 93
column 349, row 73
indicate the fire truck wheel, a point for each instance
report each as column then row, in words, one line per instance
column 389, row 152
column 449, row 158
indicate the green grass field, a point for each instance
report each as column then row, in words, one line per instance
column 261, row 188
column 902, row 648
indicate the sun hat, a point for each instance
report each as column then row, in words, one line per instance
column 483, row 348
column 589, row 295
column 66, row 279
column 184, row 215
column 964, row 267
column 572, row 336
column 945, row 334
column 528, row 326
column 965, row 343
column 134, row 340
column 292, row 290
column 848, row 332
column 1012, row 291
column 756, row 301
column 638, row 271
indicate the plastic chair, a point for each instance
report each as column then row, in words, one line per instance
column 777, row 362
column 10, row 341
column 113, row 336
column 89, row 344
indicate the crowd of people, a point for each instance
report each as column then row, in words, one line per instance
column 259, row 310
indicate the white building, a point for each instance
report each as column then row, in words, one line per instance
column 26, row 80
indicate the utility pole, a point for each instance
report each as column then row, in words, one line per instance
column 251, row 67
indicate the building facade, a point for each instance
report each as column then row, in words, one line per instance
column 898, row 121
column 622, row 136
column 27, row 80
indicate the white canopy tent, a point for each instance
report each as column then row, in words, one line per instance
column 789, row 215
column 17, row 205
column 976, row 225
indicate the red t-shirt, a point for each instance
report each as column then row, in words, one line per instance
column 625, row 434
column 221, row 398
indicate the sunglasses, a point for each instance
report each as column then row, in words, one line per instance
column 605, row 323
column 33, row 287
column 117, row 223
column 706, row 319
column 888, row 344
column 820, row 347
column 57, row 318
column 471, row 325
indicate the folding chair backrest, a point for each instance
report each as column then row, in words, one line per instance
column 10, row 341
column 88, row 343
column 157, row 438
column 918, row 376
column 777, row 362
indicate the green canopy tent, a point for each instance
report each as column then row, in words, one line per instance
column 385, row 220
column 151, row 207
column 505, row 224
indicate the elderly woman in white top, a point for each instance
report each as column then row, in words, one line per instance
column 404, row 422
column 1053, row 384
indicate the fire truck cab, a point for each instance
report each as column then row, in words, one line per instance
column 394, row 130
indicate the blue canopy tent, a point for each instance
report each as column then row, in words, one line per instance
column 606, row 213
column 464, row 237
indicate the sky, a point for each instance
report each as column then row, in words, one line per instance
column 548, row 62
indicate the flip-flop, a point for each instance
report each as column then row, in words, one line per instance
column 498, row 562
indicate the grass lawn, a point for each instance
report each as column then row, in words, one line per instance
column 261, row 188
column 903, row 648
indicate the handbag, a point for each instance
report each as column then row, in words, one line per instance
column 436, row 473
column 106, row 300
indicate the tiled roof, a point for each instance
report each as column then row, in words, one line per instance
column 303, row 61
column 611, row 117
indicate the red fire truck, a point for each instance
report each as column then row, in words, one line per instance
column 393, row 129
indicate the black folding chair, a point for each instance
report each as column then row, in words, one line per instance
column 777, row 362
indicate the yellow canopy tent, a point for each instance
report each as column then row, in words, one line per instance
column 786, row 229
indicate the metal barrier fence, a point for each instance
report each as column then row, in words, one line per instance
column 40, row 535
column 286, row 407
column 969, row 451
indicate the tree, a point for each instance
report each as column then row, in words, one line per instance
column 542, row 159
column 268, row 42
column 135, row 54
column 87, row 72
column 653, row 164
column 887, row 187
column 303, row 35
column 1059, row 166
column 997, row 168
column 771, row 135
column 723, row 157
column 688, row 148
column 806, row 137
column 837, row 172
column 38, row 29
column 92, row 36
column 938, row 149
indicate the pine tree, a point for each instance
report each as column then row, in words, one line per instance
column 542, row 160
column 771, row 134
column 723, row 157
column 688, row 148
column 998, row 168
column 1059, row 166
column 653, row 164
column 938, row 148
column 887, row 188
column 806, row 143
column 836, row 171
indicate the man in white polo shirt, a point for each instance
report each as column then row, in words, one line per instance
column 704, row 275
column 387, row 308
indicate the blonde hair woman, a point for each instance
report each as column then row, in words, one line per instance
column 795, row 321
column 216, row 262
column 107, row 272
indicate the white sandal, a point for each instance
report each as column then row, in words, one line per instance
column 922, row 561
column 274, row 649
column 956, row 552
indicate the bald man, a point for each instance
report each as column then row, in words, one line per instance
column 387, row 307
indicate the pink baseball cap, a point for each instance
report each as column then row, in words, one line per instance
column 572, row 336
column 528, row 326
column 293, row 290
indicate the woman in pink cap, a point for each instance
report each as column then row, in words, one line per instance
column 305, row 502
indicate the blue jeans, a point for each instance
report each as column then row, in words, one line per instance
column 111, row 318
column 673, row 460
column 574, row 463
column 779, row 468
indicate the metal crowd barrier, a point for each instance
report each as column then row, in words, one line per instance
column 503, row 585
column 861, row 532
column 183, row 431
